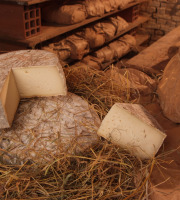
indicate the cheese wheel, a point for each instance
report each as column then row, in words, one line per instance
column 45, row 127
column 26, row 74
column 169, row 89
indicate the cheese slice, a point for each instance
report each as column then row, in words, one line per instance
column 133, row 128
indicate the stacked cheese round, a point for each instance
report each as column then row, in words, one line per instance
column 44, row 128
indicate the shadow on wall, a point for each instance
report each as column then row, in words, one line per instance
column 175, row 8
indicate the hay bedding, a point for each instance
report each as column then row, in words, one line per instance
column 103, row 171
column 104, row 88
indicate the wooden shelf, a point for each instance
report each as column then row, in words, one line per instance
column 24, row 2
column 51, row 31
column 140, row 20
column 136, row 23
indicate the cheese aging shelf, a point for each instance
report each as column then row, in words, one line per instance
column 50, row 31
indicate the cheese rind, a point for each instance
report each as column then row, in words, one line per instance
column 132, row 128
column 44, row 128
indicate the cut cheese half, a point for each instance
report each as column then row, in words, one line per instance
column 38, row 81
column 28, row 82
column 133, row 128
column 26, row 74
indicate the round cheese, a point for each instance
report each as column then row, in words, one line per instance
column 45, row 127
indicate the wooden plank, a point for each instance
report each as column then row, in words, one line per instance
column 154, row 58
column 51, row 32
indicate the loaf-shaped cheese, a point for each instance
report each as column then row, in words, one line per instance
column 26, row 74
column 133, row 128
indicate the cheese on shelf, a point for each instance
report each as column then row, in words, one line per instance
column 133, row 128
column 26, row 74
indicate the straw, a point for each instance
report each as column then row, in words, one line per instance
column 101, row 172
column 104, row 171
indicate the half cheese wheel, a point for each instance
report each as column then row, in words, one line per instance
column 26, row 74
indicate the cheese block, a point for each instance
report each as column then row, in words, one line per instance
column 26, row 74
column 44, row 128
column 133, row 128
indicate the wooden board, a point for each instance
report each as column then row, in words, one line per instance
column 154, row 58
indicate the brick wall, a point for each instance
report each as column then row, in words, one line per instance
column 165, row 15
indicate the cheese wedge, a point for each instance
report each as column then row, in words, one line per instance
column 133, row 128
column 38, row 81
column 9, row 100
column 20, row 77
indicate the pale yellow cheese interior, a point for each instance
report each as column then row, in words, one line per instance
column 9, row 99
column 39, row 81
column 27, row 82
